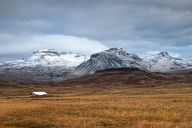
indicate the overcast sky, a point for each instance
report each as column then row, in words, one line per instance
column 138, row 26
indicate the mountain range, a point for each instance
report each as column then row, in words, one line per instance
column 52, row 65
column 118, row 58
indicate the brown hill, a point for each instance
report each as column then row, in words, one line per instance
column 127, row 77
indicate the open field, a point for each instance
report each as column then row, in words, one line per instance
column 165, row 106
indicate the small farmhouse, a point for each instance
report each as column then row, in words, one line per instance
column 38, row 94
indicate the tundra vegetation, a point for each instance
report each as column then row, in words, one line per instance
column 164, row 106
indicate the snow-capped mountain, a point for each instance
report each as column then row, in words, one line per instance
column 49, row 58
column 189, row 59
column 163, row 62
column 112, row 58
column 43, row 65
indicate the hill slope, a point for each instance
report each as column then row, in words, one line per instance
column 127, row 77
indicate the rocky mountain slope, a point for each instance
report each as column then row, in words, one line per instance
column 112, row 58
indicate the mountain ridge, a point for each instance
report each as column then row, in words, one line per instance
column 53, row 65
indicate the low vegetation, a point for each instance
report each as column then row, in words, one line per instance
column 167, row 106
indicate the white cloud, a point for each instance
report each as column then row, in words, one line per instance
column 11, row 44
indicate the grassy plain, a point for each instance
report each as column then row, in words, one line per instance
column 166, row 106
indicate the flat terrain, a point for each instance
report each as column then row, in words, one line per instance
column 163, row 106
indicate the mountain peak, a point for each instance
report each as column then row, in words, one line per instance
column 115, row 50
column 163, row 62
column 163, row 54
column 112, row 58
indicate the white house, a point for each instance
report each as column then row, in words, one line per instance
column 38, row 94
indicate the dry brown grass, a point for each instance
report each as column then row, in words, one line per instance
column 157, row 107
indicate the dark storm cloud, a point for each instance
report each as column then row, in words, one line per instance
column 146, row 24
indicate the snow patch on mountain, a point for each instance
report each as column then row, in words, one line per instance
column 50, row 58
